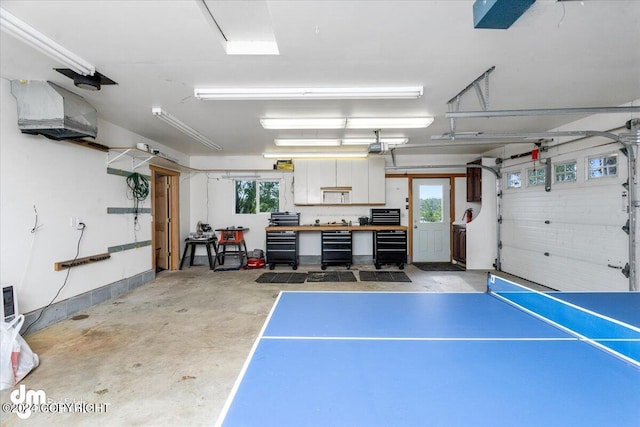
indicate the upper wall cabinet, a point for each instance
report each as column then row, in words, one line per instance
column 474, row 182
column 376, row 181
column 342, row 181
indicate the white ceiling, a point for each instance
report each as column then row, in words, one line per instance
column 558, row 54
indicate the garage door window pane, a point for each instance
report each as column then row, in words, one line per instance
column 536, row 176
column 514, row 180
column 565, row 172
column 603, row 166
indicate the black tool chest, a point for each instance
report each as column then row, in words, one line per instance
column 389, row 247
column 336, row 248
column 282, row 246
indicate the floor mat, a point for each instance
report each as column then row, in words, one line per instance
column 331, row 276
column 383, row 276
column 438, row 266
column 282, row 278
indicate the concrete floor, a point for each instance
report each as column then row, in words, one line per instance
column 169, row 352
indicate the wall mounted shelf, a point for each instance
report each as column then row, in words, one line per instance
column 141, row 157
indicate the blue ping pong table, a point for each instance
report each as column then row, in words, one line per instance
column 443, row 359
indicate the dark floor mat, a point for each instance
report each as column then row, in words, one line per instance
column 383, row 276
column 438, row 266
column 331, row 276
column 282, row 278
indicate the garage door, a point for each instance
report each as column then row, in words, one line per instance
column 570, row 238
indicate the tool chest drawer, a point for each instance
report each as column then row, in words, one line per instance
column 336, row 248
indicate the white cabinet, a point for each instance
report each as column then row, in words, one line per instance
column 361, row 175
column 343, row 173
column 320, row 174
column 300, row 182
column 358, row 179
column 376, row 180
column 310, row 177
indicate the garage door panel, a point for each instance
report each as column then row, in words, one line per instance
column 577, row 241
column 562, row 273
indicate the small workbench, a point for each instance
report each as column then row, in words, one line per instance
column 209, row 242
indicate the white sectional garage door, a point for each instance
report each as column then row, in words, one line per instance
column 569, row 238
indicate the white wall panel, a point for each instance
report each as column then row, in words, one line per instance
column 63, row 180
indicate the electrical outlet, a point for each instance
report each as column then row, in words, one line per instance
column 75, row 222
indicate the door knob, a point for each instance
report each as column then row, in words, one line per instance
column 415, row 226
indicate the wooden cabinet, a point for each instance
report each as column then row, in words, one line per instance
column 460, row 243
column 474, row 182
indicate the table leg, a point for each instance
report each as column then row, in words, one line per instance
column 184, row 255
column 211, row 262
column 193, row 253
column 245, row 253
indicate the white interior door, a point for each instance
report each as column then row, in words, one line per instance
column 431, row 220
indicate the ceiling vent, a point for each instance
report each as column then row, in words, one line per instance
column 45, row 108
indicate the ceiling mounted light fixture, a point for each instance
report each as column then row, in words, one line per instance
column 316, row 155
column 367, row 141
column 412, row 92
column 187, row 130
column 34, row 38
column 306, row 142
column 348, row 123
column 388, row 123
column 304, row 123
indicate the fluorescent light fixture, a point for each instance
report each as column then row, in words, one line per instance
column 252, row 48
column 305, row 123
column 34, row 38
column 309, row 93
column 388, row 123
column 367, row 141
column 169, row 119
column 317, row 155
column 306, row 142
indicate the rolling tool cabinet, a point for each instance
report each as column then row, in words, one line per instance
column 282, row 246
column 389, row 247
column 336, row 248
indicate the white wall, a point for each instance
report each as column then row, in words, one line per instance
column 62, row 180
column 482, row 231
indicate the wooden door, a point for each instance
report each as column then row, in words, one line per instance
column 161, row 222
column 166, row 218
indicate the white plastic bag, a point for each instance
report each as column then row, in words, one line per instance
column 16, row 357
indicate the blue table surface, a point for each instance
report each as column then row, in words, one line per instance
column 417, row 359
column 624, row 306
column 402, row 315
